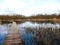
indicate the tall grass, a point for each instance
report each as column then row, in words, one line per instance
column 45, row 36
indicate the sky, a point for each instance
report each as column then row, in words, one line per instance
column 29, row 7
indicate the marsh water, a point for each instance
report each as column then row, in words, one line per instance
column 28, row 32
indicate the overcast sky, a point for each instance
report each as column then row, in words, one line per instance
column 29, row 7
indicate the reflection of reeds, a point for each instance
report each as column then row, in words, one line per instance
column 48, row 36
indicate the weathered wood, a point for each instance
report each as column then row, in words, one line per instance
column 13, row 37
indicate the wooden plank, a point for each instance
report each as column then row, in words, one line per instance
column 13, row 37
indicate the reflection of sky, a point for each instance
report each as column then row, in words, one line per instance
column 3, row 29
column 26, row 38
column 30, row 24
column 29, row 7
column 3, row 32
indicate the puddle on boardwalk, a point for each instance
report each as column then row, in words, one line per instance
column 34, row 33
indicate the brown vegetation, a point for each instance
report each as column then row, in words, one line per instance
column 38, row 18
column 45, row 36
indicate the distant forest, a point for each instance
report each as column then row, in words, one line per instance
column 38, row 16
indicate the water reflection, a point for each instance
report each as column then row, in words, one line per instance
column 31, row 25
column 3, row 32
column 39, row 34
column 34, row 33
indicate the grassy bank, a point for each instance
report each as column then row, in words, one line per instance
column 54, row 18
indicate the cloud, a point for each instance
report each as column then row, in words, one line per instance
column 47, row 8
column 12, row 4
column 29, row 7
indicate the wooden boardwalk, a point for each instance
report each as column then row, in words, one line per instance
column 13, row 37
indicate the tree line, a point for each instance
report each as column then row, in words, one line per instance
column 38, row 16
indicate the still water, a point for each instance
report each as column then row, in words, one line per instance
column 25, row 32
column 3, row 31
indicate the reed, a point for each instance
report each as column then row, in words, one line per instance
column 45, row 36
